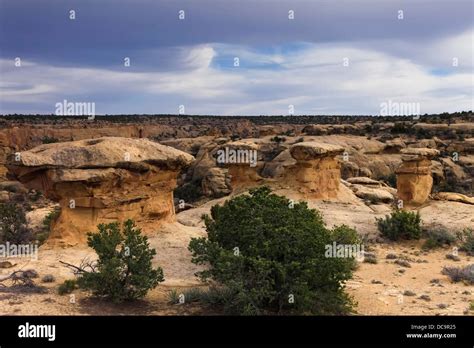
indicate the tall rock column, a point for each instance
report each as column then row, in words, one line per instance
column 102, row 180
column 317, row 172
column 414, row 180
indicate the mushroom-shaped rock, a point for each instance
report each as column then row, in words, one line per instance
column 102, row 180
column 310, row 150
column 317, row 171
column 414, row 180
column 242, row 160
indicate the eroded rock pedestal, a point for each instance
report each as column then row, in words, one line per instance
column 242, row 160
column 101, row 181
column 317, row 171
column 414, row 179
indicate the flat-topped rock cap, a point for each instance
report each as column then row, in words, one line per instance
column 311, row 150
column 241, row 145
column 106, row 152
column 420, row 152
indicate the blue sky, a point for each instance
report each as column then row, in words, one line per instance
column 190, row 62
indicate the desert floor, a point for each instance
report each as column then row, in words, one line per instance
column 377, row 288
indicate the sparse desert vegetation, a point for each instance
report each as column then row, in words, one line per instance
column 233, row 237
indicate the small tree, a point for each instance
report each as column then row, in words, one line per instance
column 123, row 270
column 466, row 238
column 267, row 254
column 400, row 225
column 13, row 227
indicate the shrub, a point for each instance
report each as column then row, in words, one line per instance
column 49, row 140
column 189, row 192
column 346, row 235
column 124, row 270
column 400, row 225
column 277, row 139
column 467, row 241
column 13, row 226
column 390, row 179
column 458, row 274
column 267, row 255
column 67, row 287
column 438, row 237
column 47, row 225
column 48, row 278
column 188, row 296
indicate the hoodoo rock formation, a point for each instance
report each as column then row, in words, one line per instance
column 241, row 158
column 414, row 179
column 101, row 181
column 317, row 172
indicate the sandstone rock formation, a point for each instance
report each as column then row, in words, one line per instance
column 414, row 180
column 101, row 181
column 317, row 171
column 454, row 197
column 216, row 183
column 241, row 158
column 371, row 190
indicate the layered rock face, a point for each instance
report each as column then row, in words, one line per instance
column 241, row 159
column 414, row 179
column 317, row 171
column 101, row 181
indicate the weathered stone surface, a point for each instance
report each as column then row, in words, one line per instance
column 454, row 197
column 243, row 161
column 216, row 183
column 364, row 181
column 414, row 180
column 101, row 181
column 307, row 151
column 394, row 146
column 415, row 153
column 372, row 194
column 317, row 171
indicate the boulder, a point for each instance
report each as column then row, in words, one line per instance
column 216, row 183
column 102, row 180
column 372, row 194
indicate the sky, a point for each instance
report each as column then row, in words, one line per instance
column 340, row 57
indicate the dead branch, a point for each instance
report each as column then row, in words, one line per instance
column 19, row 278
column 85, row 266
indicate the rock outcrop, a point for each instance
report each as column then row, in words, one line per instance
column 242, row 161
column 317, row 171
column 371, row 190
column 454, row 197
column 101, row 181
column 414, row 179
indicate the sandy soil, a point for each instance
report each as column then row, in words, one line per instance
column 422, row 278
column 377, row 288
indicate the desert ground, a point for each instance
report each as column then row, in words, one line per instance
column 361, row 175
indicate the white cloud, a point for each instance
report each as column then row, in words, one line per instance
column 312, row 78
